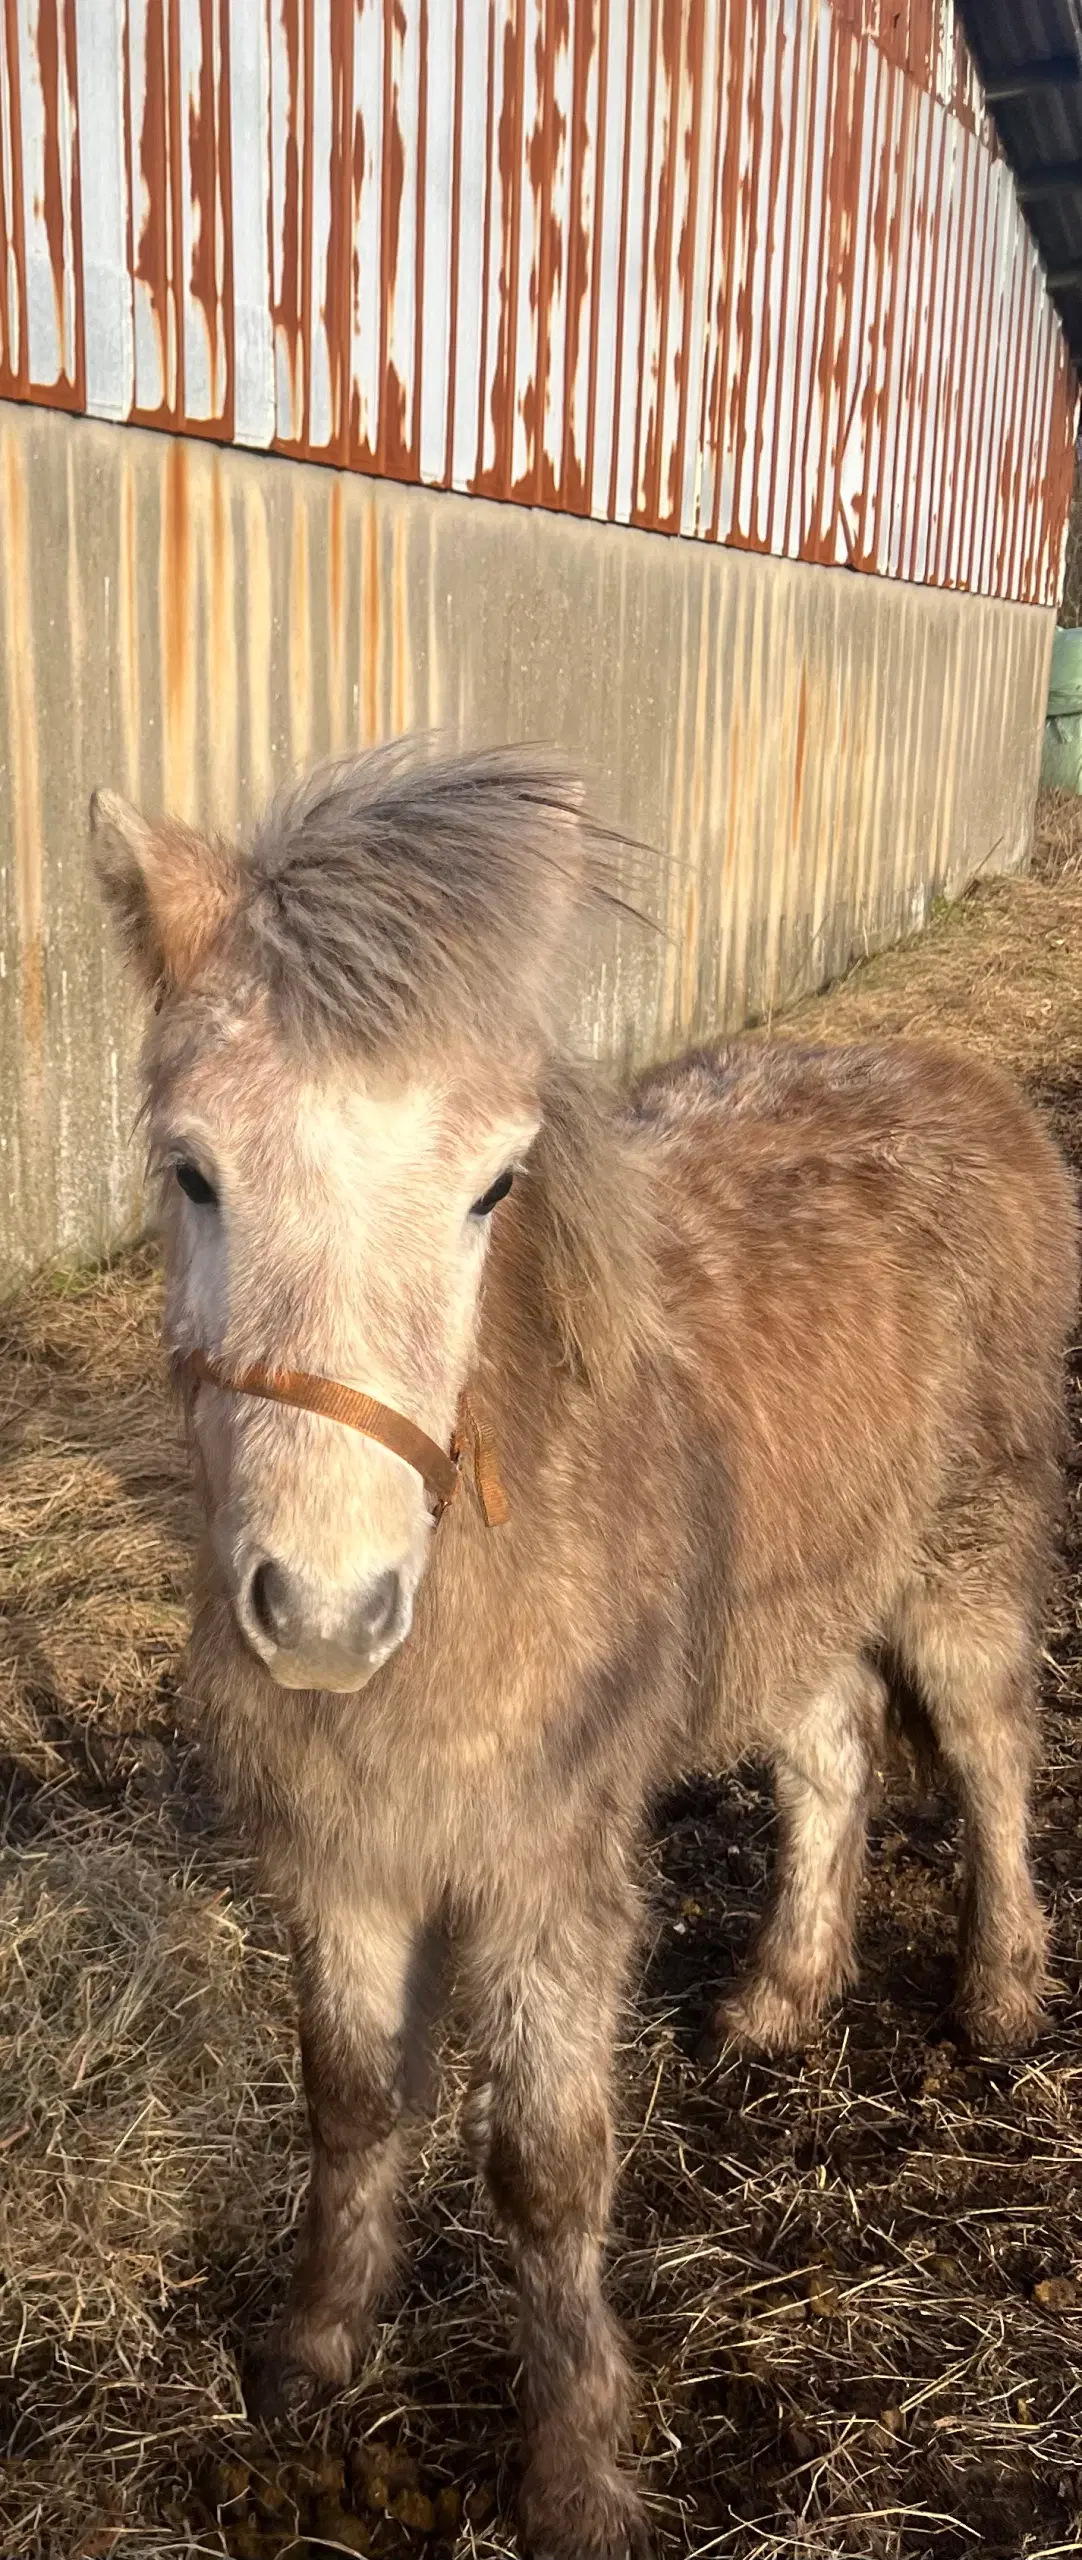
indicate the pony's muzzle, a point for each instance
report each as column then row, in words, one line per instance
column 309, row 1642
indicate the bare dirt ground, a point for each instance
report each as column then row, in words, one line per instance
column 853, row 2282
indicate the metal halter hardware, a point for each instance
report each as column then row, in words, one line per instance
column 438, row 1468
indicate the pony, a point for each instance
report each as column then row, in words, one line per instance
column 555, row 1441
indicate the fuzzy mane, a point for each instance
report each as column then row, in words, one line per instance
column 399, row 895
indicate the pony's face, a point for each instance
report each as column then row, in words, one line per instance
column 349, row 1036
column 336, row 1225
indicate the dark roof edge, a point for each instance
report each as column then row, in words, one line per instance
column 1028, row 55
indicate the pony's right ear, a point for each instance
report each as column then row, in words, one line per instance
column 121, row 852
column 169, row 890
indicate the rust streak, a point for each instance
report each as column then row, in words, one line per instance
column 800, row 752
column 935, row 406
column 786, row 260
column 920, row 231
column 336, row 614
column 129, row 187
column 1042, row 432
column 817, row 544
column 420, row 234
column 870, row 412
column 152, row 254
column 337, row 305
column 595, row 278
column 974, row 459
column 925, row 489
column 1059, row 461
column 371, row 625
column 48, row 51
column 19, row 372
column 1001, row 359
column 946, row 462
column 494, row 479
column 25, row 779
column 663, row 239
column 894, row 310
column 393, row 451
column 1017, row 566
column 159, row 259
column 1029, row 497
column 621, row 289
column 486, row 264
column 777, row 144
column 736, row 28
column 1008, row 370
column 541, row 486
column 356, row 199
column 711, row 279
column 797, row 450
column 300, row 630
column 222, row 654
column 850, row 145
column 307, row 184
column 7, row 370
column 286, row 306
column 203, row 141
column 865, row 341
column 175, row 625
column 456, row 230
column 71, row 72
column 546, row 490
column 176, row 200
column 900, row 319
column 128, row 653
column 746, row 298
column 574, row 482
column 225, row 184
column 640, row 514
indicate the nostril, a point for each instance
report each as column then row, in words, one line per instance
column 273, row 1606
column 379, row 1609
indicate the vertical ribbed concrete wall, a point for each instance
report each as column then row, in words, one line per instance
column 820, row 754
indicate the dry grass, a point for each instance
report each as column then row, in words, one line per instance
column 1057, row 845
column 853, row 2283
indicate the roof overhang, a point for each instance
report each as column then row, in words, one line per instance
column 1029, row 56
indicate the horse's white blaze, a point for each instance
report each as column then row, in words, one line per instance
column 342, row 1243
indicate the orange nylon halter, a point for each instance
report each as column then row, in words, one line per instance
column 439, row 1468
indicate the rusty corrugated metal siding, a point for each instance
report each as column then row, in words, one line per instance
column 748, row 270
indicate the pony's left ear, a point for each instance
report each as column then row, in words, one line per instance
column 168, row 889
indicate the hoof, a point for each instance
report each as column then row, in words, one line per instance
column 596, row 2515
column 762, row 2016
column 302, row 2360
column 1004, row 2018
column 1000, row 2005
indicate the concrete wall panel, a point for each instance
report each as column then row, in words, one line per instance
column 821, row 753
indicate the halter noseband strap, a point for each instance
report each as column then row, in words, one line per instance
column 438, row 1467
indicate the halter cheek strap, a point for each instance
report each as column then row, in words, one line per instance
column 438, row 1468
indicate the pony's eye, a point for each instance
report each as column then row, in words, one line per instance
column 491, row 1199
column 196, row 1186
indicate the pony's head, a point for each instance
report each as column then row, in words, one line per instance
column 343, row 1080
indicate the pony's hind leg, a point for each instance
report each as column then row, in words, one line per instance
column 824, row 1775
column 971, row 1657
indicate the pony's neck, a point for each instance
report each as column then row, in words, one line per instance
column 570, row 1290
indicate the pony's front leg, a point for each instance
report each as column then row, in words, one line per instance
column 360, row 1976
column 544, row 2016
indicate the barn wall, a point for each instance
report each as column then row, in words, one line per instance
column 822, row 753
